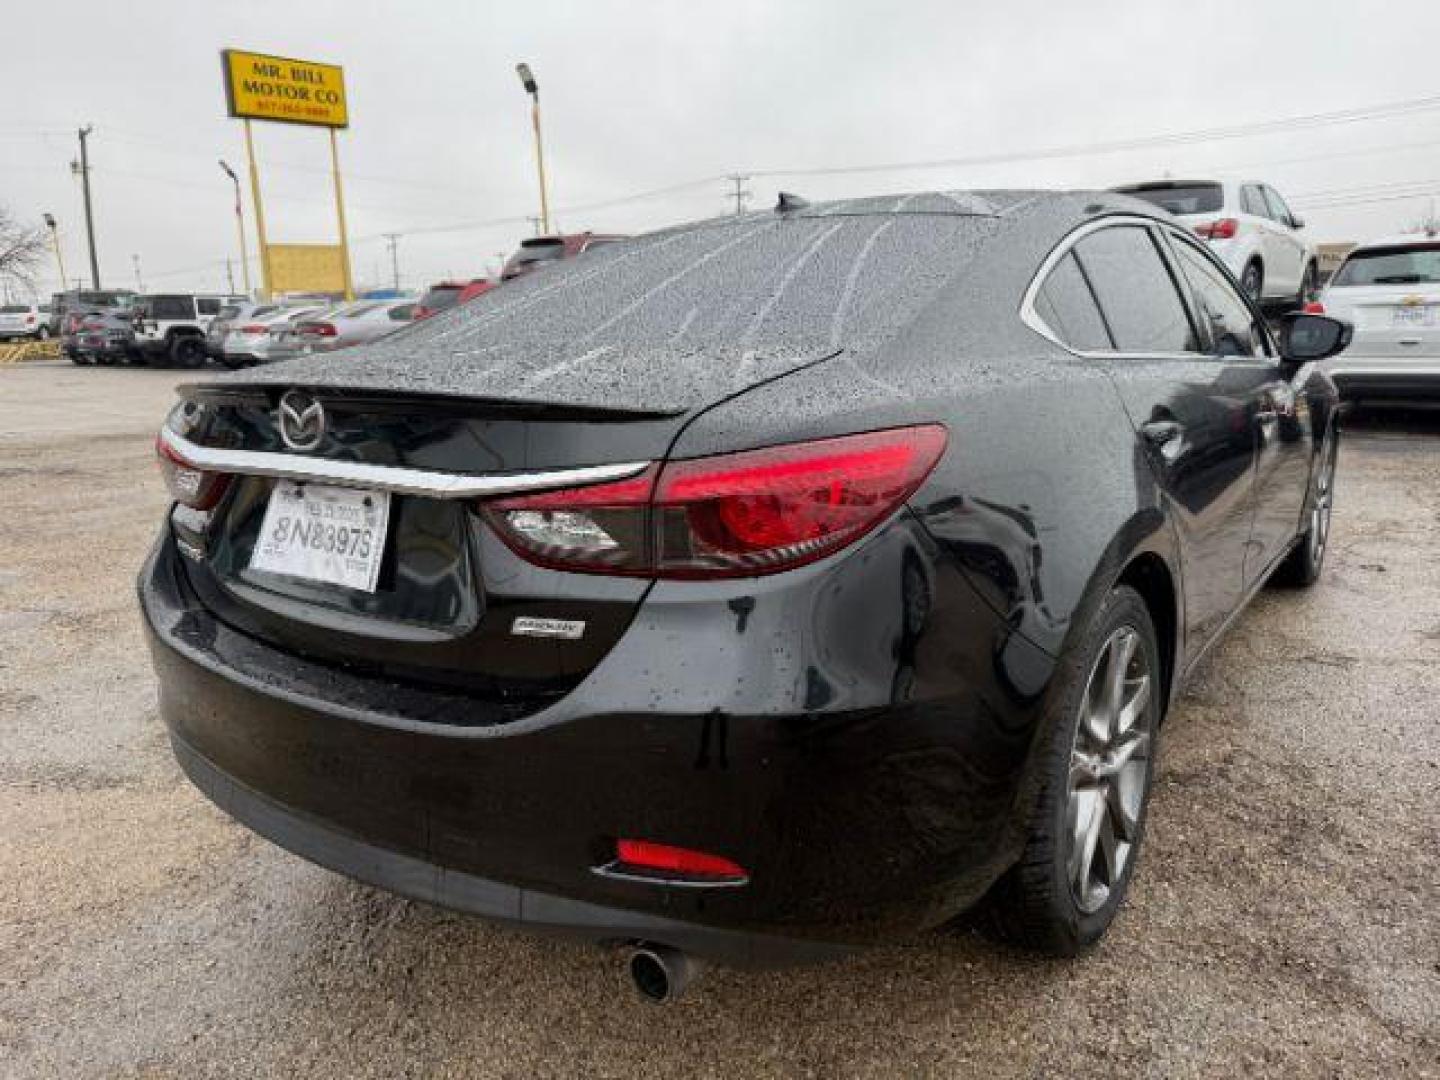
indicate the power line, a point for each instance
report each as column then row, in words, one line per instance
column 1283, row 125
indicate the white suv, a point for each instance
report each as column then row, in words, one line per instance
column 1249, row 227
column 1389, row 289
column 171, row 326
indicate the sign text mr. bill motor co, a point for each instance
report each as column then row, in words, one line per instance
column 260, row 87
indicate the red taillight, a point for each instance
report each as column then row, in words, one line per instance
column 29, row 318
column 665, row 859
column 195, row 487
column 317, row 329
column 255, row 328
column 1314, row 307
column 1219, row 229
column 731, row 515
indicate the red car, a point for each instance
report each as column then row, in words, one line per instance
column 447, row 294
column 543, row 249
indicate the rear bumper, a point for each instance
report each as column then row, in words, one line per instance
column 862, row 812
column 1386, row 378
column 494, row 900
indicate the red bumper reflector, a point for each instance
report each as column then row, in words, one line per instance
column 662, row 858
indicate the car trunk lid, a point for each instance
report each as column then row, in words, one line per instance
column 1401, row 320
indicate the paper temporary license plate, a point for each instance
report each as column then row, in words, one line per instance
column 323, row 533
column 1415, row 315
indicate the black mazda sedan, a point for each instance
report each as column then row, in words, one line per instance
column 749, row 590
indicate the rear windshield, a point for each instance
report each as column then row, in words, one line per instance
column 14, row 309
column 441, row 297
column 356, row 310
column 1180, row 198
column 103, row 299
column 1413, row 264
column 538, row 251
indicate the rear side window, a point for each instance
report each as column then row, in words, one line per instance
column 1232, row 327
column 1068, row 308
column 1252, row 202
column 403, row 313
column 1136, row 293
column 1180, row 198
column 170, row 307
column 207, row 306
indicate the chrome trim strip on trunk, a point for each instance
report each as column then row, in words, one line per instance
column 435, row 485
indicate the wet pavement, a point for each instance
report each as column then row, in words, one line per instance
column 1283, row 920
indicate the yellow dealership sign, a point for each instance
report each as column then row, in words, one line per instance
column 261, row 87
column 307, row 268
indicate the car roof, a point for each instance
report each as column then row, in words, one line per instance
column 670, row 319
column 1397, row 240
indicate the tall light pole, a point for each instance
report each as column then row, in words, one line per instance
column 139, row 281
column 55, row 243
column 240, row 228
column 527, row 80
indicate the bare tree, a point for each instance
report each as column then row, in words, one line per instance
column 21, row 252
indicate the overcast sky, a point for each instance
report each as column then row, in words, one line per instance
column 640, row 96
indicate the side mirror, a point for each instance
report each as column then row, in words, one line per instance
column 1313, row 337
column 1297, row 222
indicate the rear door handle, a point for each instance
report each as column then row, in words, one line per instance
column 1160, row 432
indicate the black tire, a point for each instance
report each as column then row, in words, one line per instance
column 187, row 351
column 1301, row 568
column 1253, row 281
column 78, row 358
column 1039, row 904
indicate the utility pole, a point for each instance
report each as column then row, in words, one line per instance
column 740, row 194
column 82, row 169
column 393, row 239
column 139, row 284
column 230, row 274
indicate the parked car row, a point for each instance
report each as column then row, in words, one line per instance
column 186, row 329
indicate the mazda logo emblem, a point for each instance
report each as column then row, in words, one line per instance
column 301, row 421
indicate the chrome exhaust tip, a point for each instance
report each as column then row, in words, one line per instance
column 662, row 974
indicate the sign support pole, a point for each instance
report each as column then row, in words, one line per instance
column 340, row 216
column 259, row 214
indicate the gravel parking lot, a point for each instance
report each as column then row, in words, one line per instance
column 1283, row 921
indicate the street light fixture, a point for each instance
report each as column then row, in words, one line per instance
column 527, row 80
column 55, row 243
column 240, row 228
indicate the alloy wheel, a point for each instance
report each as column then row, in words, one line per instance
column 1109, row 770
column 1320, row 512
